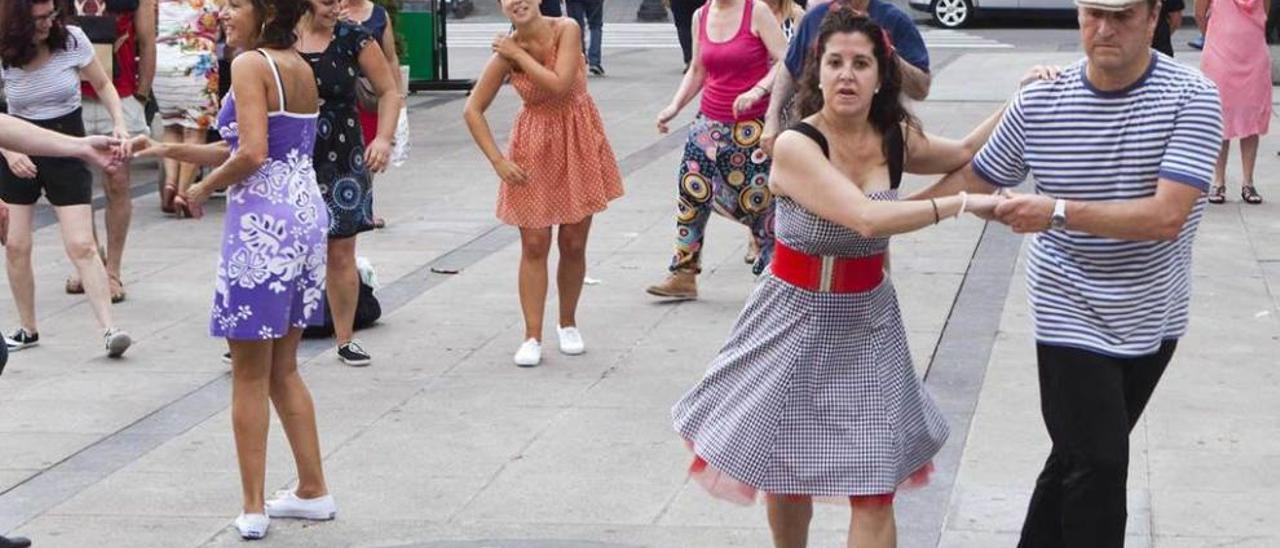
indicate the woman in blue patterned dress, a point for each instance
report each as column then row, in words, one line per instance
column 814, row 394
column 339, row 52
column 271, row 272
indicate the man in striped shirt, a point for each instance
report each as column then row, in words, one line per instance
column 1122, row 148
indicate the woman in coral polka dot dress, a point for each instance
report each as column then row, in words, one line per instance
column 559, row 169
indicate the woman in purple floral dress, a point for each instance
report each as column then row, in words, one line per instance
column 271, row 272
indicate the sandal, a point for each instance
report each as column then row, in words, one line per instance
column 167, row 194
column 1218, row 194
column 73, row 286
column 1250, row 195
column 117, row 288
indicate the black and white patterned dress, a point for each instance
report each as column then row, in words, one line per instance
column 339, row 152
column 814, row 393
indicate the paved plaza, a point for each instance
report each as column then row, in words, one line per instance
column 444, row 443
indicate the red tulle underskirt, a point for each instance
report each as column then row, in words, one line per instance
column 723, row 486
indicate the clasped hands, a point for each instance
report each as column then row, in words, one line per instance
column 1023, row 213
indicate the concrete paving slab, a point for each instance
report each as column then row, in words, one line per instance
column 157, row 531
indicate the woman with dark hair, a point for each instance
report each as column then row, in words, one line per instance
column 43, row 61
column 338, row 52
column 271, row 271
column 559, row 170
column 814, row 394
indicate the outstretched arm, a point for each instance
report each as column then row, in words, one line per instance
column 801, row 173
column 208, row 154
column 25, row 138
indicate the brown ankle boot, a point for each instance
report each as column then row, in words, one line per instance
column 678, row 285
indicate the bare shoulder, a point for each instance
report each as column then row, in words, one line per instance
column 796, row 147
column 249, row 64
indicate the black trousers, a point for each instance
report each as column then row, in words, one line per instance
column 550, row 8
column 682, row 14
column 1090, row 403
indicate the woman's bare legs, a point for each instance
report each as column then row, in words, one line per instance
column 1220, row 169
column 871, row 524
column 789, row 518
column 251, row 415
column 297, row 413
column 1248, row 157
column 17, row 251
column 187, row 172
column 535, row 245
column 76, row 224
column 342, row 286
column 572, row 269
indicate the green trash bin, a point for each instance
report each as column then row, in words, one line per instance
column 421, row 23
column 417, row 24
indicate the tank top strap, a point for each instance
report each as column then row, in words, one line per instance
column 804, row 128
column 275, row 73
column 744, row 27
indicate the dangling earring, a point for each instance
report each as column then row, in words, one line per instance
column 876, row 91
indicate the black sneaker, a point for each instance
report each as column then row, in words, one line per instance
column 354, row 355
column 596, row 70
column 20, row 339
column 226, row 357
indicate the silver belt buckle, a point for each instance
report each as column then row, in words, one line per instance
column 826, row 274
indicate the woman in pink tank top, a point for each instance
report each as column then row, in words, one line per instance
column 734, row 60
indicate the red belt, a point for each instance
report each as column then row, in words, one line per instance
column 827, row 274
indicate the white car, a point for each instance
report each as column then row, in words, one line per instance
column 953, row 14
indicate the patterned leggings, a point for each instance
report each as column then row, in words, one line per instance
column 723, row 168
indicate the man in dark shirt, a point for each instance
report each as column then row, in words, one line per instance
column 912, row 55
column 1169, row 22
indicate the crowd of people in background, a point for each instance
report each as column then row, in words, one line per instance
column 803, row 133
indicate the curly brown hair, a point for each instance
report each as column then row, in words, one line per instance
column 18, row 31
column 887, row 109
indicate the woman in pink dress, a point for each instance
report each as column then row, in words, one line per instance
column 1236, row 58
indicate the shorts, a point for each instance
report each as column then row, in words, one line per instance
column 97, row 119
column 64, row 181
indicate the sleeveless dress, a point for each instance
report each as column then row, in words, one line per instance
column 1237, row 59
column 814, row 393
column 186, row 80
column 559, row 140
column 272, row 267
column 339, row 153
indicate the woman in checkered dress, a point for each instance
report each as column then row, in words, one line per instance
column 814, row 394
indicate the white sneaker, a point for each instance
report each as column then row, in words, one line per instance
column 288, row 505
column 116, row 342
column 571, row 340
column 253, row 526
column 530, row 353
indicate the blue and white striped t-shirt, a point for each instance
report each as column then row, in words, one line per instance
column 1117, row 297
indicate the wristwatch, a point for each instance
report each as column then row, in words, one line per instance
column 1059, row 219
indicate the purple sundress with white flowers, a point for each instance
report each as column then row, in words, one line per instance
column 271, row 272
